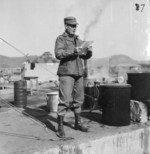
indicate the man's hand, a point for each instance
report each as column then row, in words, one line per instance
column 89, row 51
column 76, row 51
column 90, row 48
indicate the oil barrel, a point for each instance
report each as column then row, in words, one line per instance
column 20, row 93
column 116, row 104
column 140, row 86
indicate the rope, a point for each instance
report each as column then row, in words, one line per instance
column 94, row 96
column 25, row 55
column 34, row 120
column 96, row 93
column 46, row 69
column 27, row 115
column 24, row 136
column 13, row 47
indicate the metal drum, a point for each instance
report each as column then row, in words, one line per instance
column 116, row 104
column 140, row 86
column 20, row 93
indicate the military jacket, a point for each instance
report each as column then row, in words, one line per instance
column 64, row 49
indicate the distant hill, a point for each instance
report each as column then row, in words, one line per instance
column 112, row 61
column 12, row 62
column 122, row 59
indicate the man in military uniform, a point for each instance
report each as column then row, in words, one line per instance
column 70, row 72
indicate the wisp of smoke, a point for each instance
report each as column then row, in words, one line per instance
column 92, row 23
column 99, row 10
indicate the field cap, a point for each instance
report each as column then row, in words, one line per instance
column 70, row 21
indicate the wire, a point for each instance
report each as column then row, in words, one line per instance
column 46, row 69
column 94, row 96
column 25, row 113
column 13, row 47
column 31, row 136
column 25, row 55
column 25, row 136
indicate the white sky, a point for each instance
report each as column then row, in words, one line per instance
column 33, row 25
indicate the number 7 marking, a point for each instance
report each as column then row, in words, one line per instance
column 143, row 5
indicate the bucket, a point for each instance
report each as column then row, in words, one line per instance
column 52, row 101
column 20, row 93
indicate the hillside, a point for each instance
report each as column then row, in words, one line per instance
column 122, row 59
column 113, row 61
column 12, row 62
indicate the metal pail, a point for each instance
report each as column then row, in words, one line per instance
column 52, row 101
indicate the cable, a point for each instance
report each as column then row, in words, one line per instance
column 94, row 96
column 13, row 47
column 46, row 69
column 31, row 136
column 25, row 136
column 25, row 113
column 24, row 54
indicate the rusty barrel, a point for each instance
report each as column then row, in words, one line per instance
column 116, row 104
column 20, row 93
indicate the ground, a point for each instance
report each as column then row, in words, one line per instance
column 32, row 129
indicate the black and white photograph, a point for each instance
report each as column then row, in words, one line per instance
column 75, row 77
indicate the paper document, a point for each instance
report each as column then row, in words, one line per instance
column 86, row 44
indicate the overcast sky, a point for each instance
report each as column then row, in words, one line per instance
column 33, row 25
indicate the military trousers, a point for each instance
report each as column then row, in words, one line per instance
column 71, row 94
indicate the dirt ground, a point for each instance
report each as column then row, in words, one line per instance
column 31, row 129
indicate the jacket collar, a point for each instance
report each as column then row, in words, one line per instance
column 66, row 35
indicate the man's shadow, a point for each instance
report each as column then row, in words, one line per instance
column 95, row 116
column 42, row 115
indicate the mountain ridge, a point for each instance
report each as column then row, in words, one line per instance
column 13, row 62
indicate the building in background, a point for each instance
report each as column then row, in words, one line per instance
column 44, row 71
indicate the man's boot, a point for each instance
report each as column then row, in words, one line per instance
column 60, row 132
column 78, row 123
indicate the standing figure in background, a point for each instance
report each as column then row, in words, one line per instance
column 70, row 72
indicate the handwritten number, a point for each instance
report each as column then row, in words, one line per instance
column 139, row 7
column 143, row 5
